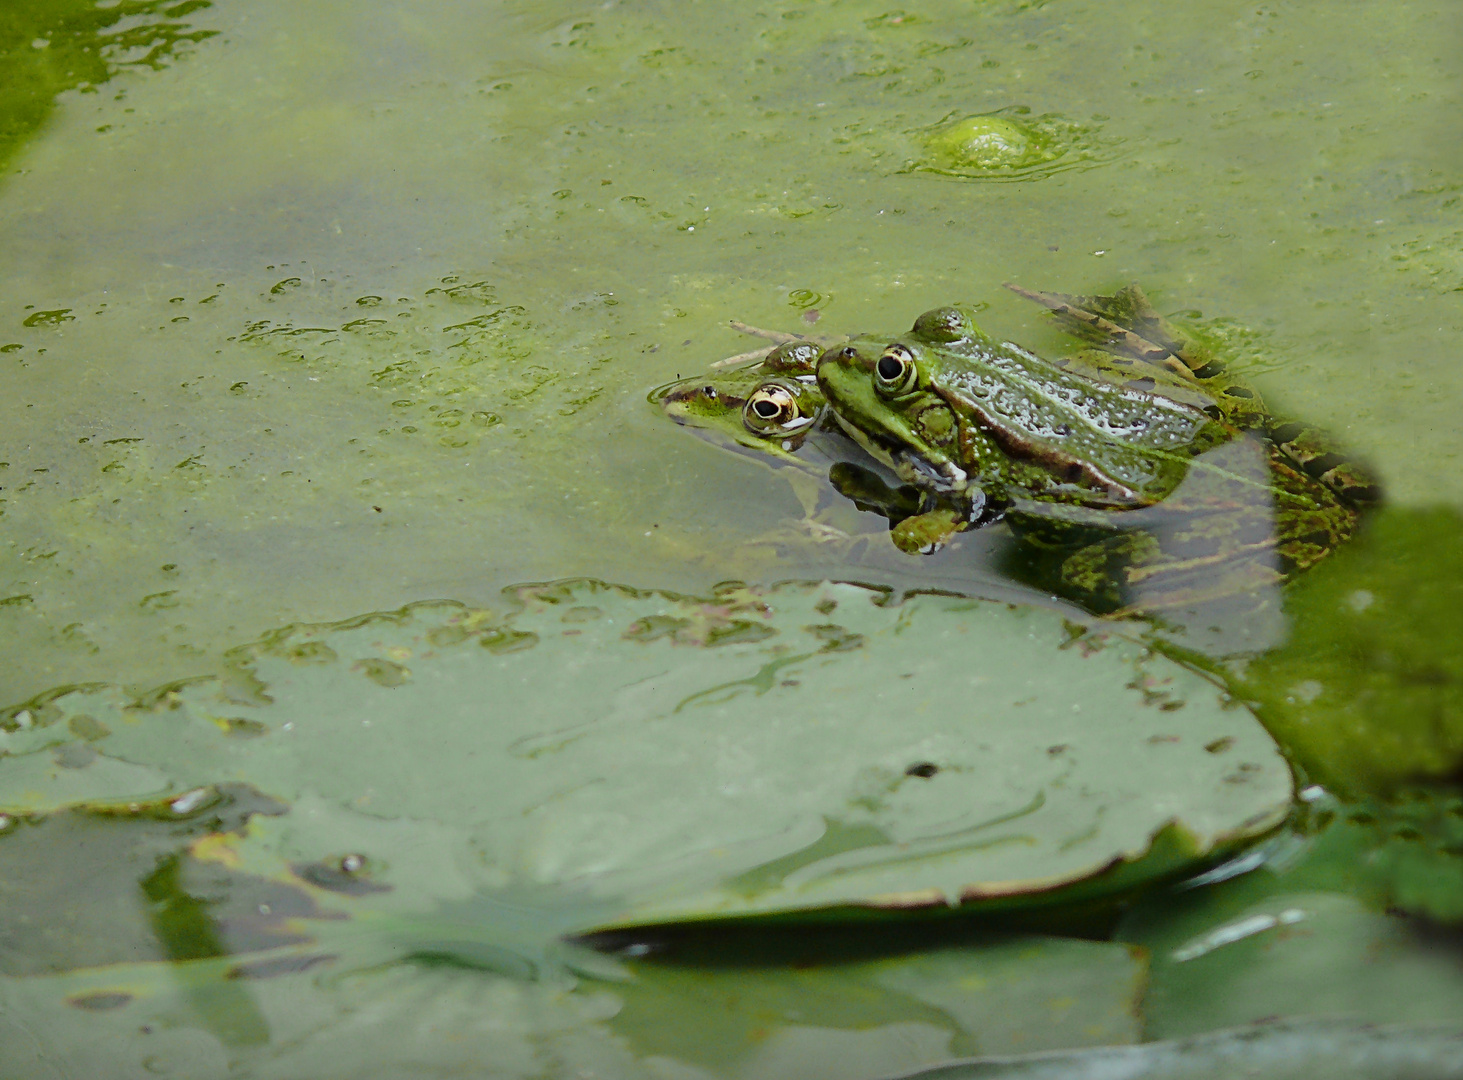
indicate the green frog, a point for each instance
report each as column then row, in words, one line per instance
column 1144, row 472
column 766, row 401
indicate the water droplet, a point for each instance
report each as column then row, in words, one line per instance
column 190, row 801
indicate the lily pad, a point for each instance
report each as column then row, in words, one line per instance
column 804, row 749
column 1368, row 692
column 1311, row 930
column 212, row 873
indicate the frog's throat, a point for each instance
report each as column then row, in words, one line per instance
column 946, row 477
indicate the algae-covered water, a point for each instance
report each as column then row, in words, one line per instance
column 314, row 310
column 342, row 257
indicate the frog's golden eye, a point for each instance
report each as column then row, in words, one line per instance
column 895, row 372
column 771, row 409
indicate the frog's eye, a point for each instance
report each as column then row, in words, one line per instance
column 895, row 372
column 771, row 410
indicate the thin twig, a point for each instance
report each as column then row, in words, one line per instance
column 741, row 358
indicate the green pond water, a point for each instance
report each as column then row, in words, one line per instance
column 309, row 311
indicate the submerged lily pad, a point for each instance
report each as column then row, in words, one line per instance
column 805, row 749
column 1001, row 995
column 859, row 1018
column 1274, row 1051
column 1368, row 692
column 100, row 884
column 1413, row 852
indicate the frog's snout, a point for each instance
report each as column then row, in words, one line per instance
column 677, row 395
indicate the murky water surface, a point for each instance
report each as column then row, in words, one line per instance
column 309, row 310
column 351, row 306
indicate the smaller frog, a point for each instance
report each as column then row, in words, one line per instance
column 766, row 401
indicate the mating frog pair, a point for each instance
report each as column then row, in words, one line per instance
column 1139, row 468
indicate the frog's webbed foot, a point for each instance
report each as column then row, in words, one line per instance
column 741, row 358
column 1315, row 455
column 1125, row 324
column 924, row 534
column 1103, row 320
column 777, row 337
column 820, row 532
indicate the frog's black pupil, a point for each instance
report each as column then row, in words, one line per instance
column 890, row 368
column 765, row 409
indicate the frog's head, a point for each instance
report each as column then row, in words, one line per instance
column 879, row 392
column 770, row 406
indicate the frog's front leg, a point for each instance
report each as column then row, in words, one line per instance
column 913, row 529
column 918, row 523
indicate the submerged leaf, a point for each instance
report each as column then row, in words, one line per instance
column 882, row 1015
column 851, row 1018
column 1368, row 692
column 1283, row 1050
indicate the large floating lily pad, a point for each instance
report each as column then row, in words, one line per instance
column 802, row 749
